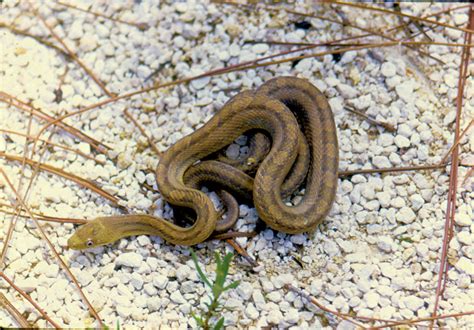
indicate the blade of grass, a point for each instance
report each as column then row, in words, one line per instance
column 199, row 270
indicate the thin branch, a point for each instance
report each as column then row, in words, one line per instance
column 53, row 249
column 80, row 153
column 15, row 313
column 141, row 26
column 387, row 126
column 27, row 297
column 392, row 169
column 423, row 319
column 37, row 38
column 240, row 250
column 20, row 105
column 142, row 130
column 457, row 141
column 386, row 11
column 77, row 179
column 451, row 202
column 48, row 218
column 17, row 207
column 312, row 300
column 68, row 50
column 188, row 79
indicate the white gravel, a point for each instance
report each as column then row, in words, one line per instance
column 377, row 253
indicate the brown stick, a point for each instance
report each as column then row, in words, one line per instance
column 322, row 307
column 43, row 217
column 15, row 313
column 142, row 130
column 80, row 153
column 240, row 250
column 68, row 50
column 457, row 141
column 432, row 318
column 451, row 202
column 392, row 169
column 52, row 248
column 141, row 26
column 20, row 105
column 27, row 297
column 415, row 18
column 77, row 179
column 39, row 39
column 387, row 126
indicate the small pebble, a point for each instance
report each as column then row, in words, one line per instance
column 388, row 69
column 129, row 259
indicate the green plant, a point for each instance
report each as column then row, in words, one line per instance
column 217, row 288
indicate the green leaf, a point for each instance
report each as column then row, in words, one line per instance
column 218, row 259
column 199, row 270
column 232, row 285
column 219, row 324
column 198, row 319
column 221, row 273
column 405, row 239
column 117, row 325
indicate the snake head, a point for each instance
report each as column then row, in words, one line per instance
column 90, row 235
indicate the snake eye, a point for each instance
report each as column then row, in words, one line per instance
column 90, row 242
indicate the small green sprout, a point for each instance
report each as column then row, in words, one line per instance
column 217, row 288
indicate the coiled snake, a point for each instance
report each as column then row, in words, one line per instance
column 295, row 115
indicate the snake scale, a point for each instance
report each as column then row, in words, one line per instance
column 296, row 119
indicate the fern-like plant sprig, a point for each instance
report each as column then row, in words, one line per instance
column 217, row 288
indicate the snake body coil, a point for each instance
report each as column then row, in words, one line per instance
column 282, row 108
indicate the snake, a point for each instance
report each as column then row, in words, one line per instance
column 284, row 108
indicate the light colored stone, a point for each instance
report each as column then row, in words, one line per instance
column 388, row 69
column 129, row 259
column 260, row 48
column 463, row 219
column 405, row 215
column 401, row 141
column 413, row 303
column 347, row 91
column 385, row 243
column 405, row 91
column 177, row 297
column 464, row 237
column 251, row 312
column 371, row 299
column 381, row 162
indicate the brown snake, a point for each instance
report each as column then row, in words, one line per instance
column 276, row 108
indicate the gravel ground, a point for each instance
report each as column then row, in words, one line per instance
column 377, row 253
